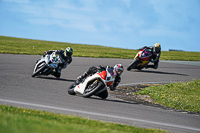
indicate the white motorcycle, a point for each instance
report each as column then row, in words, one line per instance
column 46, row 65
column 96, row 84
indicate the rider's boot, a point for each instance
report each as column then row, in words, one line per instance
column 155, row 66
column 56, row 74
column 53, row 73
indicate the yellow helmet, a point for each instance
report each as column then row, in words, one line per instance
column 68, row 51
column 157, row 47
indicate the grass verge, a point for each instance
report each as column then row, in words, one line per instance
column 20, row 120
column 183, row 96
column 13, row 45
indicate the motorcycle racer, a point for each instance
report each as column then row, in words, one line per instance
column 156, row 52
column 65, row 57
column 117, row 69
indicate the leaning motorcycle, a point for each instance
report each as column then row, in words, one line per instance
column 141, row 59
column 95, row 84
column 46, row 65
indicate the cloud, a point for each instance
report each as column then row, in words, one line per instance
column 176, row 14
column 76, row 6
column 164, row 31
column 59, row 13
column 127, row 3
column 17, row 1
column 83, row 15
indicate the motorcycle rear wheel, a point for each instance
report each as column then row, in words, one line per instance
column 103, row 94
column 140, row 68
column 92, row 89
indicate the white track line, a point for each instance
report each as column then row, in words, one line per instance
column 147, row 83
column 99, row 114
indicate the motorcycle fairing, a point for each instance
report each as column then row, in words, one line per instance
column 144, row 56
column 79, row 89
column 136, row 56
column 110, row 77
column 107, row 76
column 103, row 75
column 109, row 83
column 51, row 61
column 144, row 62
column 139, row 54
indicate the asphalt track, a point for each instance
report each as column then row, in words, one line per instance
column 18, row 88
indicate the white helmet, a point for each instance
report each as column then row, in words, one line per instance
column 118, row 68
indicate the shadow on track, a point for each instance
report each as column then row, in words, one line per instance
column 115, row 100
column 158, row 72
column 108, row 100
column 53, row 78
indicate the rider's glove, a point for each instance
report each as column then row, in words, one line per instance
column 45, row 52
column 92, row 70
column 101, row 66
column 112, row 88
column 152, row 61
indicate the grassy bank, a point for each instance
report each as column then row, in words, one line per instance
column 13, row 45
column 19, row 120
column 182, row 96
column 37, row 47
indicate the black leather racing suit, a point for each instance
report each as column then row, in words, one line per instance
column 155, row 57
column 65, row 62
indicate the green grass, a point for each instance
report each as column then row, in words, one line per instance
column 13, row 45
column 180, row 55
column 20, row 120
column 182, row 96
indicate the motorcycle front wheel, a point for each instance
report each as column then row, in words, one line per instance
column 92, row 89
column 39, row 68
column 131, row 66
column 71, row 89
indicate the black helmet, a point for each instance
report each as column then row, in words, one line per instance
column 68, row 51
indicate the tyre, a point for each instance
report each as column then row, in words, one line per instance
column 39, row 68
column 131, row 66
column 103, row 94
column 71, row 89
column 140, row 68
column 92, row 89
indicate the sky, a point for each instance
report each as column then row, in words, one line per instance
column 129, row 24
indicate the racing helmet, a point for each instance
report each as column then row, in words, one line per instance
column 157, row 47
column 68, row 51
column 118, row 69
